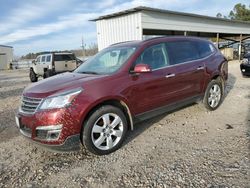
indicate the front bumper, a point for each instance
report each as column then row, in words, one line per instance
column 57, row 129
column 72, row 143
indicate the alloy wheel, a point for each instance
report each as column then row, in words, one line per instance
column 107, row 131
column 214, row 96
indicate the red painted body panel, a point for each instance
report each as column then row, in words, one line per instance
column 140, row 92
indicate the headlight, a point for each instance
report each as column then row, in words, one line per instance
column 60, row 100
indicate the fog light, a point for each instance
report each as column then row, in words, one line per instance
column 48, row 133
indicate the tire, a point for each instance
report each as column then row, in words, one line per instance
column 33, row 76
column 48, row 74
column 213, row 95
column 98, row 136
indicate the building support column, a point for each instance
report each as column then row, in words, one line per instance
column 240, row 47
column 217, row 40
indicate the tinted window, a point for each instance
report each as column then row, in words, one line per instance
column 48, row 58
column 43, row 58
column 182, row 51
column 155, row 56
column 64, row 57
column 205, row 49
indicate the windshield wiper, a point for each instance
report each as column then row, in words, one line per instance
column 88, row 72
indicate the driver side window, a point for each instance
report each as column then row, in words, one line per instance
column 155, row 56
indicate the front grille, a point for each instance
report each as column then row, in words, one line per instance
column 29, row 105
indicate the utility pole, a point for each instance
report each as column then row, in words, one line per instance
column 83, row 48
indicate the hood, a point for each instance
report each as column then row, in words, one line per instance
column 58, row 83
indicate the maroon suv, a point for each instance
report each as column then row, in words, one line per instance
column 123, row 84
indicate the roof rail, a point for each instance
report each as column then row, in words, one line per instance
column 152, row 38
column 123, row 42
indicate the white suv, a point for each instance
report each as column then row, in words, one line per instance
column 49, row 64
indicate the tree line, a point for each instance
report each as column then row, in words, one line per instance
column 91, row 50
column 240, row 12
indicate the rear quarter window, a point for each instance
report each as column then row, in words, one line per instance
column 182, row 51
column 205, row 49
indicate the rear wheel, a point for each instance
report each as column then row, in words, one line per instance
column 33, row 76
column 213, row 95
column 48, row 73
column 105, row 130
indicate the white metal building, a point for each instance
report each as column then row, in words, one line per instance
column 6, row 56
column 136, row 23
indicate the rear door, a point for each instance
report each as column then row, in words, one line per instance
column 48, row 62
column 189, row 67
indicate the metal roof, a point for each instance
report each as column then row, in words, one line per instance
column 6, row 46
column 143, row 8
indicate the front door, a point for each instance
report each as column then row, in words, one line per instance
column 154, row 89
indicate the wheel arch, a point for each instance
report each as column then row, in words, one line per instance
column 220, row 78
column 119, row 103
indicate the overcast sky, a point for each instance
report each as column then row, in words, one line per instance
column 43, row 25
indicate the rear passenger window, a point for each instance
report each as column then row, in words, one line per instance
column 43, row 58
column 205, row 49
column 48, row 58
column 156, row 57
column 182, row 51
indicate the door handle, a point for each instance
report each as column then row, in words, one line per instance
column 170, row 75
column 201, row 68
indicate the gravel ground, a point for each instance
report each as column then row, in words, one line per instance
column 187, row 148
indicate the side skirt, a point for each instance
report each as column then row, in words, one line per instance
column 167, row 108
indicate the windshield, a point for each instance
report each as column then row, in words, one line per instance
column 107, row 61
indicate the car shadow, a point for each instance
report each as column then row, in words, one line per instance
column 230, row 84
column 248, row 125
column 140, row 127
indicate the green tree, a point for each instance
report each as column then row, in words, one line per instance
column 219, row 15
column 240, row 12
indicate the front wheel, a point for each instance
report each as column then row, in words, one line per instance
column 213, row 95
column 105, row 130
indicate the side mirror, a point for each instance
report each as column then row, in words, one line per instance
column 141, row 68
